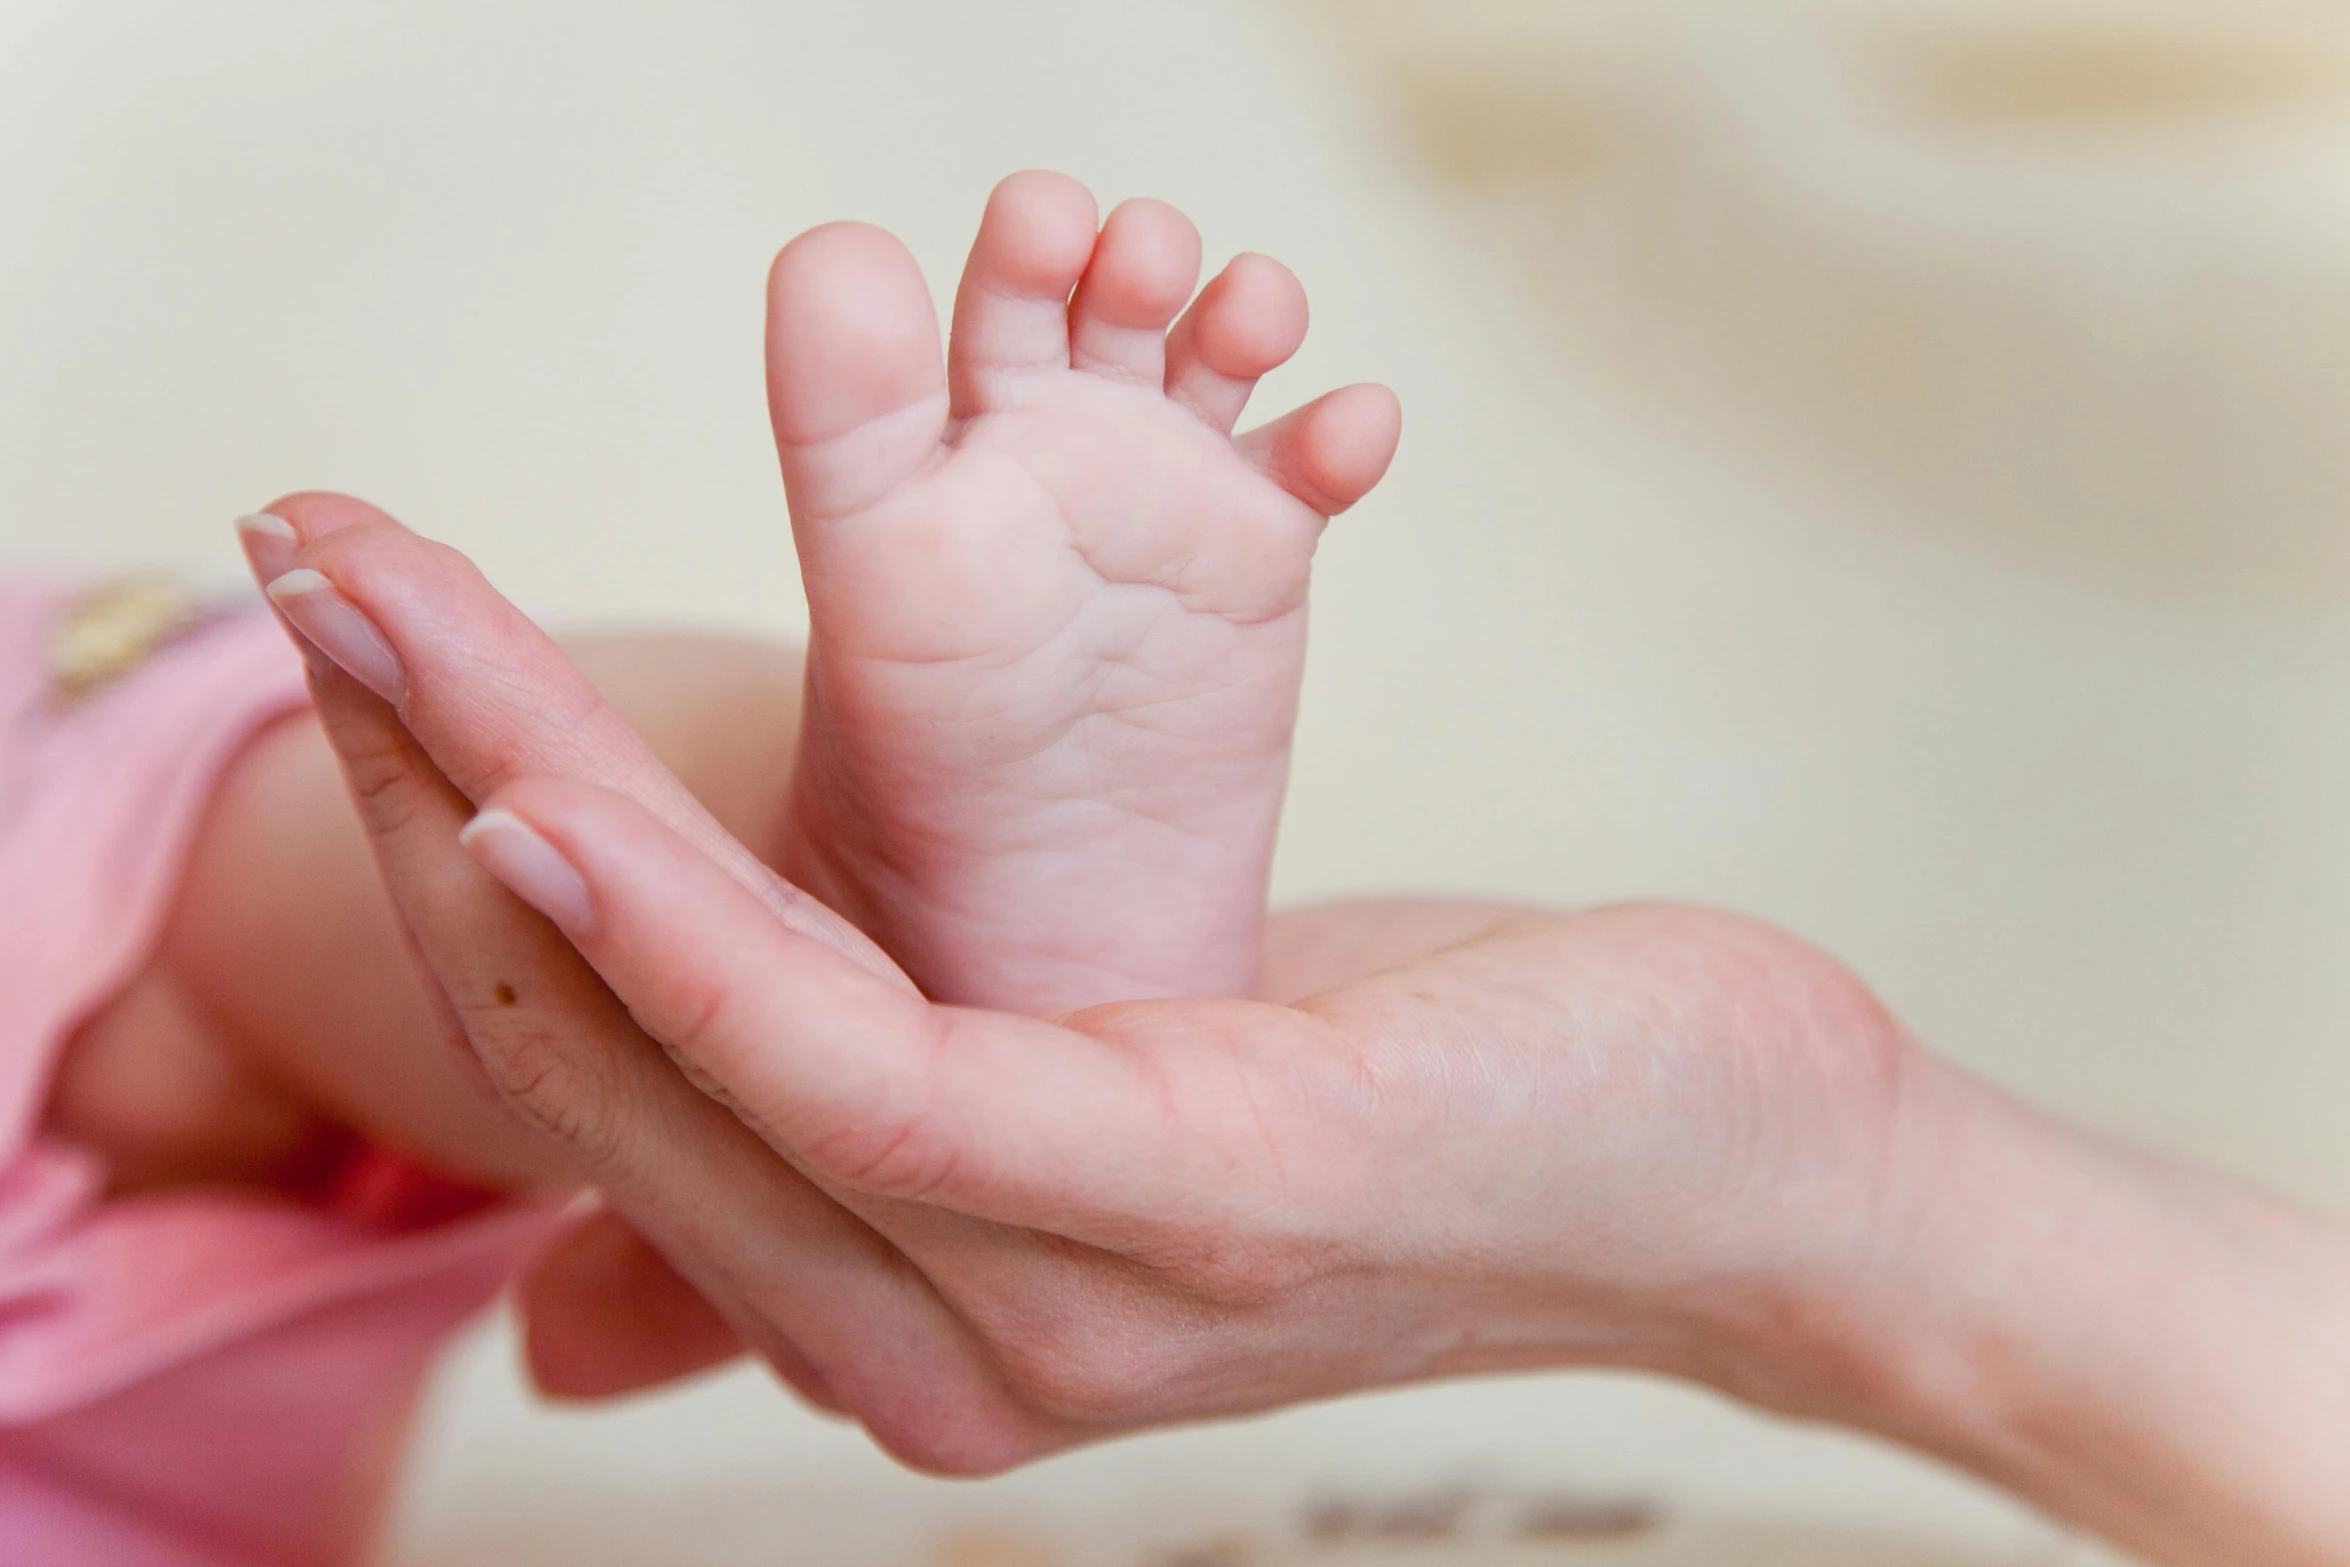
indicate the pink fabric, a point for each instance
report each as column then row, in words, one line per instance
column 189, row 1377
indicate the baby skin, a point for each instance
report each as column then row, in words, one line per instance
column 1058, row 612
column 1058, row 623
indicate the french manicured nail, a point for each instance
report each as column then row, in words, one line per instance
column 269, row 545
column 532, row 868
column 339, row 629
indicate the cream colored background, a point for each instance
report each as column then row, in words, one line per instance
column 1876, row 465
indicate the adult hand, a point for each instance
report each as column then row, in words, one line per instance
column 1607, row 1138
column 1644, row 1137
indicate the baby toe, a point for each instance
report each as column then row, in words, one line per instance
column 1144, row 267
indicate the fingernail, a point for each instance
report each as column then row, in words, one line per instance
column 532, row 868
column 339, row 629
column 269, row 543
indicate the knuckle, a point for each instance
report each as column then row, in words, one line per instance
column 1150, row 1340
column 1089, row 1376
column 904, row 1150
column 959, row 1446
column 898, row 1159
column 549, row 1086
column 961, row 1427
column 696, row 1015
column 1241, row 1275
column 384, row 783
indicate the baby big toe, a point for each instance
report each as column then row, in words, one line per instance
column 855, row 382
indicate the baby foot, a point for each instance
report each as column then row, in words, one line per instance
column 1058, row 612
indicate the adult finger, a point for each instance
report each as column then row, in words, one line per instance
column 798, row 1278
column 1014, row 1120
column 605, row 1314
column 485, row 692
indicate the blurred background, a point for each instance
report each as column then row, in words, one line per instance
column 1872, row 463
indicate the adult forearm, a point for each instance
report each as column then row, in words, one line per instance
column 2145, row 1350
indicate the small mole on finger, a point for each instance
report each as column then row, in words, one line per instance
column 505, row 994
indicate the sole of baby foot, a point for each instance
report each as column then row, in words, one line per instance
column 1057, row 610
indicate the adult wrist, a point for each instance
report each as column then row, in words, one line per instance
column 2140, row 1349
